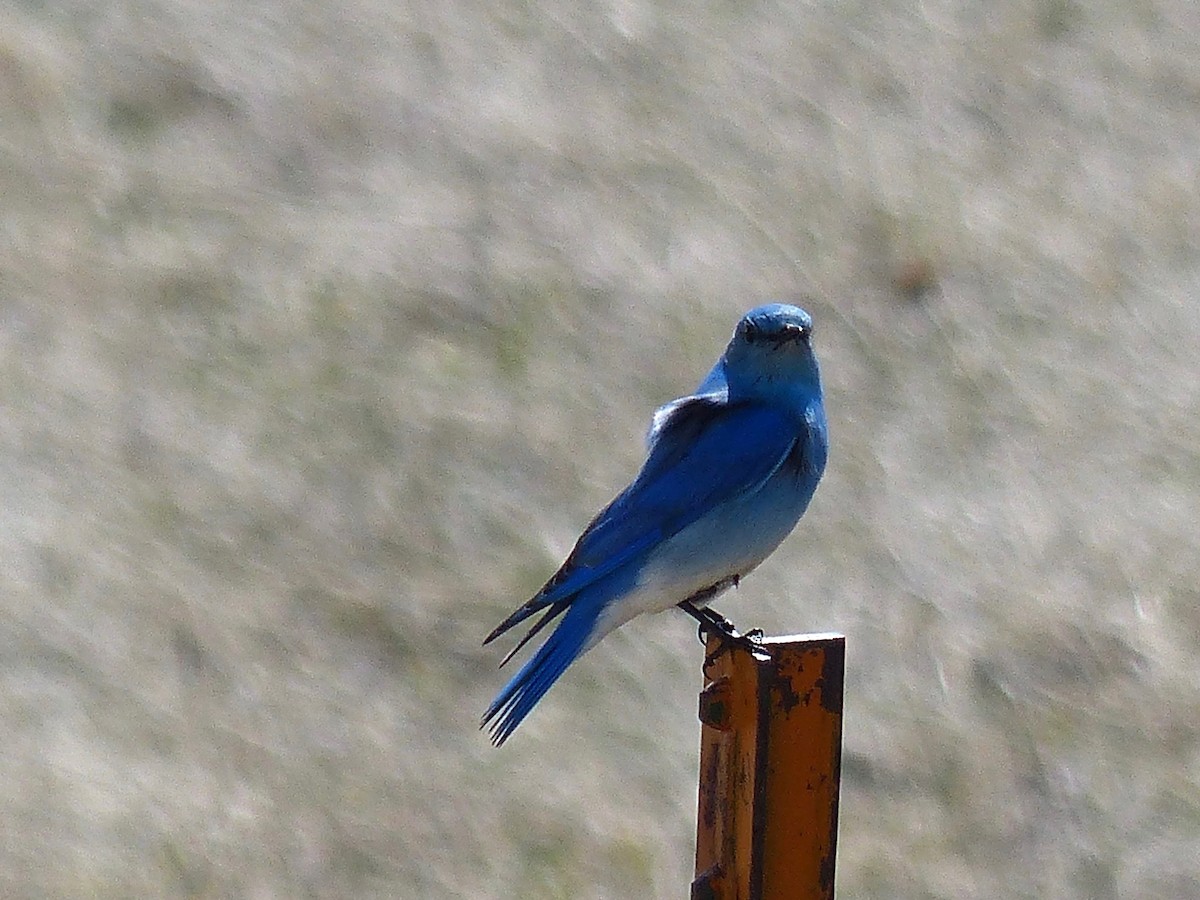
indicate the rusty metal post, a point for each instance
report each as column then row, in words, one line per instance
column 770, row 770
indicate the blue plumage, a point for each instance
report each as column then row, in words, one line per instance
column 730, row 471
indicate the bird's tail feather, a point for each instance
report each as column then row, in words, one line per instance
column 553, row 612
column 530, row 684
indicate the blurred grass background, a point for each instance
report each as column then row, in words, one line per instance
column 326, row 327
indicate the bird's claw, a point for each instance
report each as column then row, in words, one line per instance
column 728, row 638
column 720, row 626
column 713, row 624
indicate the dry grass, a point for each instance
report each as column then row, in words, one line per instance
column 326, row 327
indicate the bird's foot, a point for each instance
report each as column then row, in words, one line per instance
column 712, row 623
column 729, row 638
column 720, row 626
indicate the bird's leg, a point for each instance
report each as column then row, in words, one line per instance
column 710, row 620
column 713, row 623
column 728, row 636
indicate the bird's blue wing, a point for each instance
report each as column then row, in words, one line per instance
column 705, row 452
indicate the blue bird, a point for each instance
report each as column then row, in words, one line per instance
column 729, row 472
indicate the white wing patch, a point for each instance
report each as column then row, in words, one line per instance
column 664, row 414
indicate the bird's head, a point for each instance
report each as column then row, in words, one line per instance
column 771, row 353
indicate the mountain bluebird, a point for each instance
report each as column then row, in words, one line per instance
column 730, row 470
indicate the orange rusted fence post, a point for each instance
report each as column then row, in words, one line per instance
column 770, row 770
